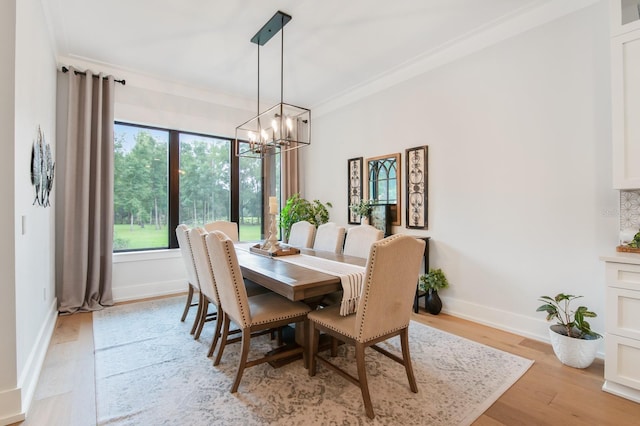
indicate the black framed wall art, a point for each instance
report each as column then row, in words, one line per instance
column 417, row 187
column 354, row 183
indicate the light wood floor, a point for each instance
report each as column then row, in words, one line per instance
column 548, row 394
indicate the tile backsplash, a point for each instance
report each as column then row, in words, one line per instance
column 629, row 209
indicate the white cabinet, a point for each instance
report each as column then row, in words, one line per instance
column 625, row 92
column 622, row 355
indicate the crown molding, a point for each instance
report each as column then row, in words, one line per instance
column 502, row 29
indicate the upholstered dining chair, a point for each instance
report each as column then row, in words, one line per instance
column 250, row 314
column 182, row 231
column 301, row 234
column 384, row 311
column 208, row 289
column 359, row 240
column 329, row 237
column 229, row 228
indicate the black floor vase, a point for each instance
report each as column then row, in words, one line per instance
column 433, row 304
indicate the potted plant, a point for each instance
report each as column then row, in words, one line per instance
column 572, row 339
column 431, row 282
column 297, row 209
column 363, row 209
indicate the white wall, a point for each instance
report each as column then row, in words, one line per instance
column 29, row 280
column 9, row 394
column 519, row 167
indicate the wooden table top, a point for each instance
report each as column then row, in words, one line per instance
column 292, row 281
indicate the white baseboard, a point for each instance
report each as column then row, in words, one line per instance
column 14, row 404
column 522, row 325
column 146, row 290
column 621, row 390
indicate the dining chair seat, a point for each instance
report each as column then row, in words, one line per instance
column 384, row 311
column 250, row 314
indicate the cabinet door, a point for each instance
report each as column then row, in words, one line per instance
column 625, row 16
column 623, row 313
column 625, row 69
column 623, row 358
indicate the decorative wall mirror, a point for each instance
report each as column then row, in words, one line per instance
column 383, row 183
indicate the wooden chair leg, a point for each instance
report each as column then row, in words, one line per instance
column 246, row 340
column 197, row 320
column 223, row 341
column 203, row 316
column 362, row 378
column 216, row 334
column 334, row 347
column 313, row 348
column 188, row 305
column 305, row 342
column 406, row 357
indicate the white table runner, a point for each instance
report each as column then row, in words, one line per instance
column 351, row 276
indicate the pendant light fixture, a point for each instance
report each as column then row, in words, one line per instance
column 283, row 127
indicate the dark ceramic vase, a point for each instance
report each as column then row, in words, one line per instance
column 433, row 304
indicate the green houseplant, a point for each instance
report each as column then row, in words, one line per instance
column 431, row 282
column 572, row 339
column 297, row 209
column 363, row 209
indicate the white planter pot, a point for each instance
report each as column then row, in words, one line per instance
column 577, row 353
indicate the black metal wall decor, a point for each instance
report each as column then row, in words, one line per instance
column 42, row 170
column 417, row 187
column 354, row 173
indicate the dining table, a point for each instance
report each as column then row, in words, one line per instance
column 292, row 281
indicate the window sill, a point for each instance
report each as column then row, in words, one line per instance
column 141, row 256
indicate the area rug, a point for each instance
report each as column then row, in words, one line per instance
column 150, row 371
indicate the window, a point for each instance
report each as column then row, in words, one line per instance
column 166, row 177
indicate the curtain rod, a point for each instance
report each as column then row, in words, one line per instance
column 65, row 69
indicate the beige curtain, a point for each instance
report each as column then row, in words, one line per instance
column 84, row 197
column 289, row 174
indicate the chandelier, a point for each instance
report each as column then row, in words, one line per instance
column 281, row 128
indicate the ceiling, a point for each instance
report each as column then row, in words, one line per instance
column 331, row 47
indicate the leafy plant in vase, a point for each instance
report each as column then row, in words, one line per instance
column 297, row 209
column 363, row 209
column 431, row 282
column 572, row 339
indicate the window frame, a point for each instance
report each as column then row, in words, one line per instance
column 173, row 178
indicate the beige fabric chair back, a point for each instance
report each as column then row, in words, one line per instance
column 229, row 228
column 387, row 294
column 228, row 276
column 203, row 264
column 329, row 237
column 182, row 233
column 302, row 234
column 359, row 240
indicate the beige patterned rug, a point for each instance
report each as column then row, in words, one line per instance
column 150, row 371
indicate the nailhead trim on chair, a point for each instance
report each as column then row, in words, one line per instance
column 215, row 285
column 246, row 319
